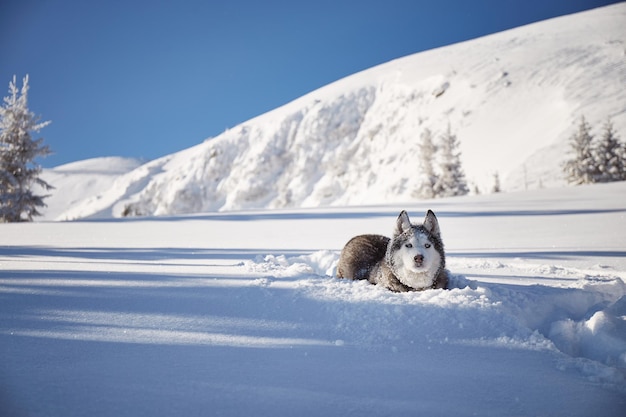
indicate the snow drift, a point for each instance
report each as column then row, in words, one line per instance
column 511, row 98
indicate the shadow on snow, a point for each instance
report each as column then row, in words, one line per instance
column 339, row 214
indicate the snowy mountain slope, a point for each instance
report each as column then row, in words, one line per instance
column 512, row 98
column 81, row 180
column 238, row 314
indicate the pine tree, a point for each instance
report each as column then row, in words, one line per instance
column 428, row 178
column 609, row 156
column 18, row 171
column 496, row 183
column 581, row 167
column 451, row 181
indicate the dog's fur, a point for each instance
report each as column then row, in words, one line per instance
column 412, row 260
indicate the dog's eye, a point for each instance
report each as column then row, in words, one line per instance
column 408, row 245
column 427, row 245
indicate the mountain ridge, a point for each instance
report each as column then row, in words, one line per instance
column 511, row 98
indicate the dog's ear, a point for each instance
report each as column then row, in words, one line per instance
column 431, row 224
column 403, row 223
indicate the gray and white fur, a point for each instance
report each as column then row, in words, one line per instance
column 412, row 260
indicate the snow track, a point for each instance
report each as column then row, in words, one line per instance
column 568, row 318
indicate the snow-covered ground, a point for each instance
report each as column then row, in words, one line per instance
column 237, row 313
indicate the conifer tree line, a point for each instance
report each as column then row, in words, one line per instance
column 18, row 149
column 595, row 159
column 442, row 172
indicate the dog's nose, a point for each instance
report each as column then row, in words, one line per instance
column 419, row 258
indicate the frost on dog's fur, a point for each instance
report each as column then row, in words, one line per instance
column 412, row 260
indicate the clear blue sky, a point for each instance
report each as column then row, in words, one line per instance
column 148, row 78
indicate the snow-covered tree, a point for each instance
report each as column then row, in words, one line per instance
column 18, row 150
column 609, row 156
column 451, row 180
column 496, row 183
column 427, row 178
column 581, row 167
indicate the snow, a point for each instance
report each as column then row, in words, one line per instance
column 78, row 181
column 238, row 313
column 513, row 99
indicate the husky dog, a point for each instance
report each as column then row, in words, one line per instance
column 412, row 260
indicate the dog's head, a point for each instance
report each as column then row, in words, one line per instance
column 416, row 251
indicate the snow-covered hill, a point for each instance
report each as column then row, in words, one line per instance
column 512, row 99
column 79, row 181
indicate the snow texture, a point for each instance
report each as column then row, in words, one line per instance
column 512, row 99
column 239, row 313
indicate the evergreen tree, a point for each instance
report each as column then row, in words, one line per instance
column 609, row 156
column 18, row 171
column 496, row 183
column 451, row 180
column 581, row 167
column 428, row 178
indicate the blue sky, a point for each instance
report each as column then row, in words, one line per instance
column 148, row 78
